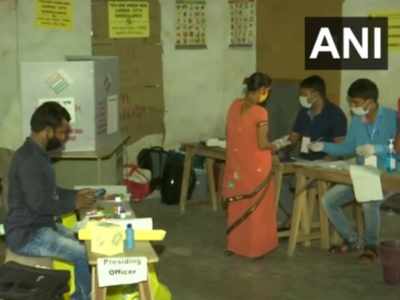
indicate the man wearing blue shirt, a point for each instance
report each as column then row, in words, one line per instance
column 371, row 128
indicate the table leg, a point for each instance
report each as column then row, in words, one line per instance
column 99, row 171
column 185, row 179
column 323, row 219
column 211, row 183
column 98, row 293
column 145, row 291
column 278, row 184
column 307, row 217
column 299, row 202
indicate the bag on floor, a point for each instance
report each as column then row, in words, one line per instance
column 20, row 282
column 153, row 159
column 172, row 179
column 137, row 181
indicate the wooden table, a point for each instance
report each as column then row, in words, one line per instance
column 141, row 249
column 324, row 176
column 103, row 153
column 211, row 154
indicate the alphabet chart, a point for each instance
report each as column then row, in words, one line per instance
column 243, row 19
column 190, row 24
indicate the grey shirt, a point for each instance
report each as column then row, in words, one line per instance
column 34, row 200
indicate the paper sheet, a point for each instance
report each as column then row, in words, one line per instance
column 137, row 223
column 111, row 189
column 367, row 183
column 112, row 114
column 336, row 165
column 53, row 14
column 371, row 161
column 128, row 19
column 305, row 142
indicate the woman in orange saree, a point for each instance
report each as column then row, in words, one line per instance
column 248, row 188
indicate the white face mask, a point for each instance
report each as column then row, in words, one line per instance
column 359, row 111
column 304, row 102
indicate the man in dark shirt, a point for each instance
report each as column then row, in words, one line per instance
column 34, row 200
column 317, row 120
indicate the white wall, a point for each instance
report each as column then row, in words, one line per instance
column 9, row 101
column 200, row 84
column 23, row 41
column 388, row 81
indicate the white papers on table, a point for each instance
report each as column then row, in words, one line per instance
column 137, row 223
column 336, row 165
column 111, row 189
column 366, row 183
column 305, row 142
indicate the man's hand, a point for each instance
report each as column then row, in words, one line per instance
column 85, row 198
column 282, row 142
column 365, row 150
column 316, row 147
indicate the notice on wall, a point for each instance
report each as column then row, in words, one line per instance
column 393, row 27
column 121, row 270
column 243, row 22
column 54, row 14
column 68, row 103
column 190, row 24
column 128, row 19
column 112, row 114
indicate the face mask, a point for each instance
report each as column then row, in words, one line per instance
column 359, row 111
column 263, row 97
column 304, row 102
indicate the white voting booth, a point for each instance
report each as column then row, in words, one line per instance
column 88, row 87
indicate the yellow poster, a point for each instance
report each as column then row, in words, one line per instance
column 393, row 27
column 54, row 14
column 128, row 19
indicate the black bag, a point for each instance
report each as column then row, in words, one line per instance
column 172, row 179
column 19, row 282
column 153, row 159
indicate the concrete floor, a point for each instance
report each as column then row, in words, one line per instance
column 194, row 267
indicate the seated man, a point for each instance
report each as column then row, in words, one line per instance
column 318, row 120
column 35, row 201
column 372, row 127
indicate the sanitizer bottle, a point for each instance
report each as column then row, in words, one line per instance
column 129, row 237
column 391, row 157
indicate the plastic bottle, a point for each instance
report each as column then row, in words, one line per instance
column 129, row 237
column 391, row 157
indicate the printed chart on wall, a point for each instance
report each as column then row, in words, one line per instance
column 190, row 24
column 54, row 14
column 243, row 22
column 128, row 19
column 393, row 27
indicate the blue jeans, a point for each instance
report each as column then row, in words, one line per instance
column 60, row 243
column 341, row 195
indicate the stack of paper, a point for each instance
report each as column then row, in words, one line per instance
column 367, row 183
